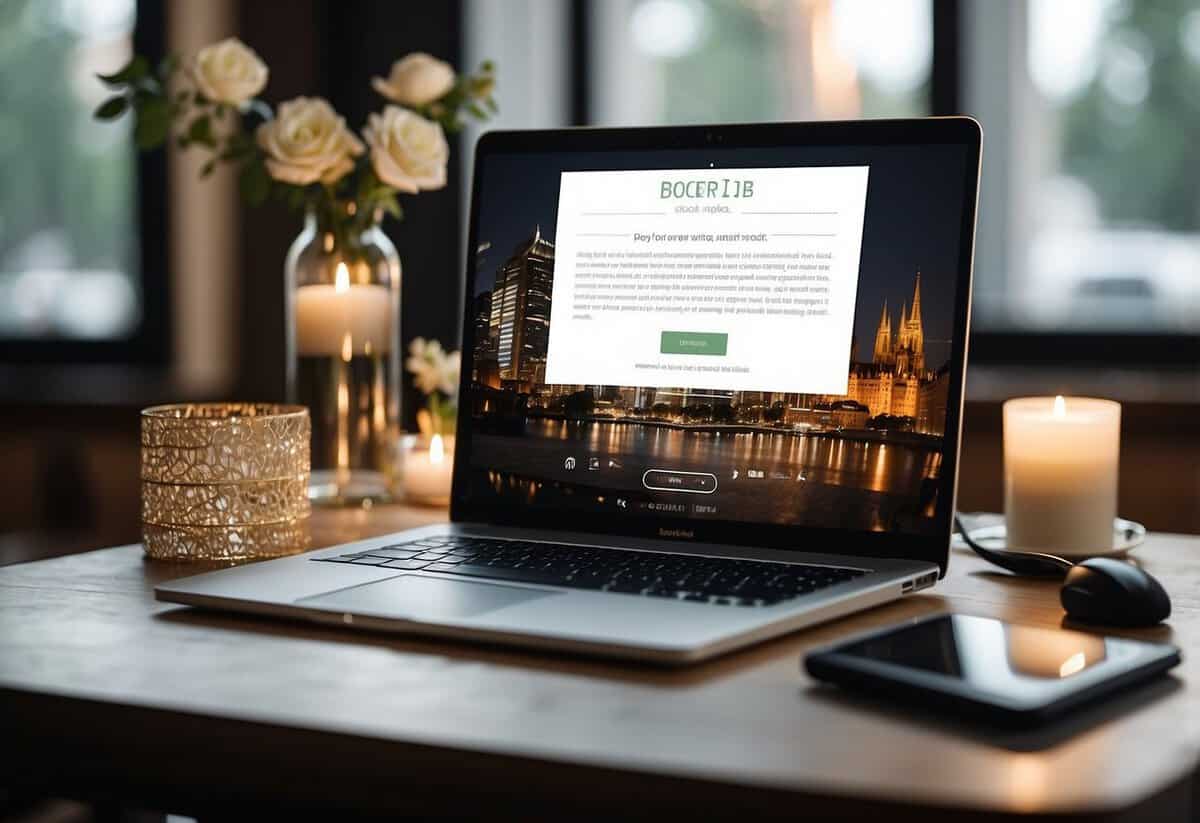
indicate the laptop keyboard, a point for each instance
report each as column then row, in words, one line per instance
column 722, row 581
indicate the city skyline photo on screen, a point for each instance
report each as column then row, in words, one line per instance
column 865, row 456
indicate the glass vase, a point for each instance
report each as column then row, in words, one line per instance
column 342, row 304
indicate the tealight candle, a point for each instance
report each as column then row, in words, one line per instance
column 1060, row 473
column 426, row 472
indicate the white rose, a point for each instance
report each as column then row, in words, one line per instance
column 416, row 79
column 408, row 152
column 228, row 72
column 306, row 142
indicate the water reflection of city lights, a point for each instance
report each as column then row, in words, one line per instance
column 825, row 460
column 879, row 471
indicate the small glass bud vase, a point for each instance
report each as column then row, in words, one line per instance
column 342, row 304
column 422, row 469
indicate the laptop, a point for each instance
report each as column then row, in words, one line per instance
column 711, row 393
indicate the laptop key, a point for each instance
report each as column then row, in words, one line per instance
column 406, row 565
column 441, row 567
column 394, row 554
column 625, row 587
column 587, row 580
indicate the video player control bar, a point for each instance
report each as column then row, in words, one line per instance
column 670, row 480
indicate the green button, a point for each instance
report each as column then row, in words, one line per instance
column 694, row 342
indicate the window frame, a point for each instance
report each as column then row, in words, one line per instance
column 149, row 344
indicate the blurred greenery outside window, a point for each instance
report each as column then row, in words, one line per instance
column 68, row 193
column 1102, row 231
column 1106, row 235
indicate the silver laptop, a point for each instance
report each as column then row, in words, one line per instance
column 711, row 393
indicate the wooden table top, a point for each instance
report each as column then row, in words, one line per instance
column 109, row 690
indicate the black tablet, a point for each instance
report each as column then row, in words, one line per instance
column 988, row 668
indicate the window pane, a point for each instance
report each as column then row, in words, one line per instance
column 708, row 61
column 68, row 243
column 1104, row 235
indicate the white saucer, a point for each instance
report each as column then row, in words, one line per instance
column 1127, row 535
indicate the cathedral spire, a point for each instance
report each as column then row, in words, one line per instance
column 916, row 331
column 916, row 309
column 883, row 338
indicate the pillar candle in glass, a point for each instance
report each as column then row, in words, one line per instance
column 1060, row 473
column 343, row 309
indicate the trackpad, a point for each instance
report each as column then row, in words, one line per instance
column 424, row 598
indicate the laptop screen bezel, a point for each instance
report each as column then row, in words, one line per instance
column 963, row 132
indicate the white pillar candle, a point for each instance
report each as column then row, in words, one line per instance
column 326, row 314
column 1060, row 473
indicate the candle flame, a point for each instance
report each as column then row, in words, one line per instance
column 341, row 279
column 437, row 452
column 347, row 348
column 1060, row 406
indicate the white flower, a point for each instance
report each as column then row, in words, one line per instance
column 228, row 72
column 306, row 142
column 415, row 80
column 408, row 152
column 432, row 368
column 451, row 367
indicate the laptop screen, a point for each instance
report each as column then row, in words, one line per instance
column 758, row 335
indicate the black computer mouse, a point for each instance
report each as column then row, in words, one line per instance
column 1111, row 592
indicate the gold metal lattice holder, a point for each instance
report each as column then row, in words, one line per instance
column 225, row 481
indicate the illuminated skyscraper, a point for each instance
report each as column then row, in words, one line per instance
column 482, row 311
column 520, row 316
column 484, row 360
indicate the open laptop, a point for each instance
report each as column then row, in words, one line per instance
column 711, row 393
